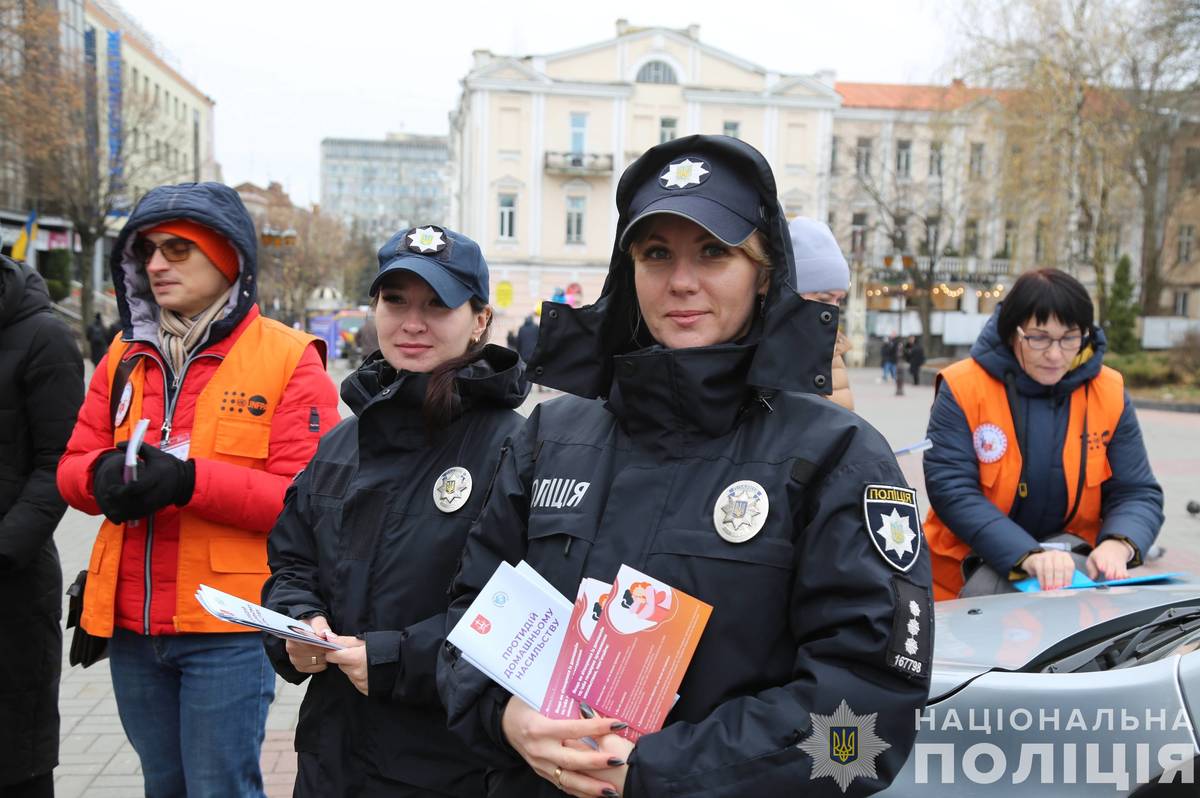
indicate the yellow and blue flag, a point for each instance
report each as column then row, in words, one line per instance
column 27, row 237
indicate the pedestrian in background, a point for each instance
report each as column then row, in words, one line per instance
column 914, row 353
column 402, row 479
column 97, row 342
column 236, row 404
column 887, row 357
column 822, row 275
column 41, row 388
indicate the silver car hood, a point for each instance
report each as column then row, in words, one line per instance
column 1010, row 631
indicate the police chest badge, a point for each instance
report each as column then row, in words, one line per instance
column 990, row 443
column 843, row 746
column 740, row 511
column 893, row 524
column 452, row 489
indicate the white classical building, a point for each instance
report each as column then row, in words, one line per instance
column 538, row 144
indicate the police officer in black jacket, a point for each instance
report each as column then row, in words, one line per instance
column 373, row 528
column 709, row 463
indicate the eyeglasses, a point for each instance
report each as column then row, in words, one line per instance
column 175, row 250
column 1040, row 343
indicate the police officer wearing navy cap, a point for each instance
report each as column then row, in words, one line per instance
column 372, row 529
column 712, row 463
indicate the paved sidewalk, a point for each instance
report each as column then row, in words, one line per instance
column 98, row 762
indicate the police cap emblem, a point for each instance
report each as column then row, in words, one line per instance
column 684, row 173
column 893, row 523
column 741, row 510
column 452, row 489
column 426, row 240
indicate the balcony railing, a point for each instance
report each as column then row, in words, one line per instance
column 579, row 163
column 970, row 269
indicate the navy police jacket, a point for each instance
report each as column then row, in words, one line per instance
column 369, row 537
column 719, row 472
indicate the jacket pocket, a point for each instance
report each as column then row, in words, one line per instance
column 558, row 547
column 242, row 438
column 1098, row 468
column 97, row 557
column 238, row 556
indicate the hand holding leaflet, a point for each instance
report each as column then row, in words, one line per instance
column 232, row 609
column 130, row 472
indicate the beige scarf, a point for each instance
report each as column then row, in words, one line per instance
column 178, row 335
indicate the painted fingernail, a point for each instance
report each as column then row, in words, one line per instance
column 619, row 725
column 608, row 792
column 616, row 762
column 586, row 711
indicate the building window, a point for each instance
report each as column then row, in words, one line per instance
column 578, row 133
column 858, row 233
column 976, row 159
column 1191, row 165
column 1010, row 239
column 933, row 235
column 1181, row 303
column 903, row 158
column 831, row 223
column 900, row 232
column 862, row 157
column 935, row 159
column 1187, row 234
column 656, row 72
column 508, row 216
column 1039, row 242
column 833, row 152
column 575, row 220
column 971, row 238
column 666, row 129
column 732, row 129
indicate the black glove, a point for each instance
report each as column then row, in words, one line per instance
column 163, row 479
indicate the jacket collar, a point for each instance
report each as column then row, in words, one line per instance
column 219, row 348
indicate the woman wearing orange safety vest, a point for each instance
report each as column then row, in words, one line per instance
column 236, row 404
column 1034, row 437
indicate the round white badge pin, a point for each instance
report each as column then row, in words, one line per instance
column 123, row 405
column 452, row 489
column 990, row 443
column 741, row 511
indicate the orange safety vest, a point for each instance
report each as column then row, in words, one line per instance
column 984, row 402
column 259, row 364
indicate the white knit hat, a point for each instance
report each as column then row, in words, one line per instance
column 820, row 264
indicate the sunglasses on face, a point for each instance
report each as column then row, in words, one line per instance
column 175, row 250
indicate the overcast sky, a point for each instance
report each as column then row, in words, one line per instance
column 287, row 73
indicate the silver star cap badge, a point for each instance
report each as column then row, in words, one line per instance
column 741, row 511
column 426, row 239
column 843, row 746
column 452, row 489
column 685, row 173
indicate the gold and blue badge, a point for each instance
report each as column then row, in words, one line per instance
column 843, row 746
column 426, row 240
column 741, row 510
column 684, row 173
column 893, row 523
column 452, row 489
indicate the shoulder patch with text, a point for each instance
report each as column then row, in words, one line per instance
column 893, row 523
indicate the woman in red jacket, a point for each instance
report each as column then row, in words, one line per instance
column 236, row 404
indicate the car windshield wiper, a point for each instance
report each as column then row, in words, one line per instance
column 1130, row 646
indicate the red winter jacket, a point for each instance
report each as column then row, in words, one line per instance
column 224, row 493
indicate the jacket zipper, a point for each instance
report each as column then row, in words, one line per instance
column 171, row 390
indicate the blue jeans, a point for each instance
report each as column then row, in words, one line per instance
column 889, row 371
column 194, row 706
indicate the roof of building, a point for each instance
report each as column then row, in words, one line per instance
column 911, row 97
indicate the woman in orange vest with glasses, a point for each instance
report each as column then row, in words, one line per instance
column 1037, row 453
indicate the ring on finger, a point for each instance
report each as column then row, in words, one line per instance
column 558, row 778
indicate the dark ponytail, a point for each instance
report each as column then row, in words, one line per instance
column 441, row 399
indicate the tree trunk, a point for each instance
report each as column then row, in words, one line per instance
column 84, row 261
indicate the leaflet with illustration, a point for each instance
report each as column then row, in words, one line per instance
column 513, row 631
column 639, row 650
column 232, row 609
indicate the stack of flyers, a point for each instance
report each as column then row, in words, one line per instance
column 513, row 631
column 622, row 648
column 639, row 650
column 232, row 609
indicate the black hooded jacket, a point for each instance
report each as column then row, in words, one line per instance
column 807, row 613
column 41, row 388
column 361, row 541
